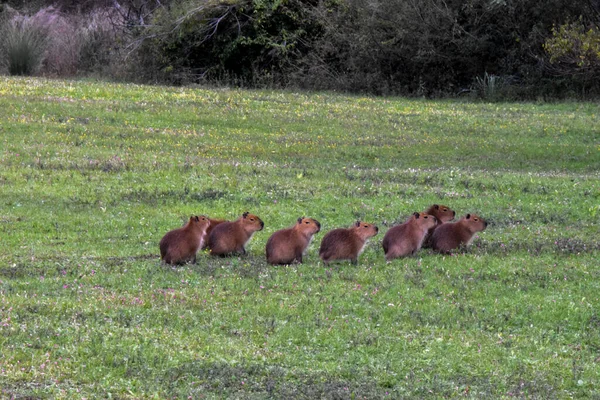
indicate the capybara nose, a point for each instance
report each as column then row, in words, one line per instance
column 454, row 213
column 376, row 229
column 318, row 224
column 262, row 224
column 486, row 224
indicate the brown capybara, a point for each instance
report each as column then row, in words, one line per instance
column 346, row 244
column 181, row 245
column 287, row 245
column 213, row 222
column 231, row 236
column 449, row 236
column 406, row 239
column 443, row 214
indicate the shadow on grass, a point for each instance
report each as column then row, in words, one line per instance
column 264, row 381
column 253, row 381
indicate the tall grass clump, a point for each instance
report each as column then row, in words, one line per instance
column 23, row 46
column 488, row 86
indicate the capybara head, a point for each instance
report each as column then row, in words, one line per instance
column 425, row 220
column 365, row 230
column 309, row 225
column 441, row 212
column 251, row 222
column 475, row 222
column 199, row 221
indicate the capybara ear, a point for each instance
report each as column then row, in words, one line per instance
column 468, row 216
column 357, row 223
column 300, row 220
column 436, row 206
column 245, row 214
column 416, row 214
column 197, row 219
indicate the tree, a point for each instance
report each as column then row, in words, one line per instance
column 574, row 49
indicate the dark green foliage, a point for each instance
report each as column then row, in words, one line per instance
column 432, row 47
column 246, row 41
column 428, row 47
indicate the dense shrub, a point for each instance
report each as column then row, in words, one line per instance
column 431, row 47
column 100, row 43
column 574, row 51
column 247, row 42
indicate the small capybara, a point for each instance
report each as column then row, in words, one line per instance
column 231, row 236
column 346, row 244
column 442, row 214
column 449, row 236
column 406, row 239
column 181, row 245
column 213, row 222
column 287, row 245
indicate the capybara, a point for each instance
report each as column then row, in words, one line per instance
column 449, row 236
column 181, row 245
column 287, row 245
column 231, row 236
column 346, row 244
column 213, row 222
column 406, row 239
column 442, row 214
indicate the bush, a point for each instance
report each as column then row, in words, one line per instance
column 246, row 42
column 430, row 47
column 22, row 47
column 574, row 51
column 99, row 43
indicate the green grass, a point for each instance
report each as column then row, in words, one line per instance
column 92, row 175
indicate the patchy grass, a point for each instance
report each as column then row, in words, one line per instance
column 93, row 174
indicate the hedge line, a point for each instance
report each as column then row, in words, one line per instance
column 509, row 49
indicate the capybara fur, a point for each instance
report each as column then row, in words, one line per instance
column 287, row 245
column 231, row 236
column 346, row 244
column 181, row 245
column 213, row 222
column 443, row 214
column 450, row 236
column 406, row 239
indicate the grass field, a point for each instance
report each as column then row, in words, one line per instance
column 92, row 175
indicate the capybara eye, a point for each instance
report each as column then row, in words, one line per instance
column 307, row 222
column 475, row 219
